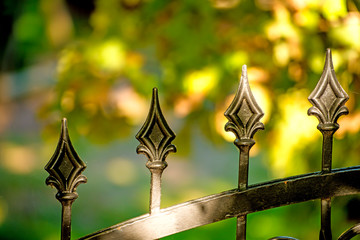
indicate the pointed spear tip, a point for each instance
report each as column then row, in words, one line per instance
column 244, row 70
column 155, row 97
column 328, row 59
column 328, row 53
column 64, row 128
column 64, row 123
column 244, row 74
column 155, row 94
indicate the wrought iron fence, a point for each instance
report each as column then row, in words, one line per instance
column 155, row 137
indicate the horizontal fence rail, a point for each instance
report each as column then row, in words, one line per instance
column 243, row 114
column 232, row 203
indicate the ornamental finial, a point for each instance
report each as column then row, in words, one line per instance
column 328, row 97
column 65, row 167
column 155, row 136
column 244, row 113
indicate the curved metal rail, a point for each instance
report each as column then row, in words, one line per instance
column 217, row 207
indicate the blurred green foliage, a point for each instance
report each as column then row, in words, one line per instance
column 110, row 54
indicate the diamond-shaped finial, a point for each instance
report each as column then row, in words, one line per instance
column 65, row 167
column 328, row 97
column 244, row 113
column 155, row 136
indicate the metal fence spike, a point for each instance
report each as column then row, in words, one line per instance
column 244, row 116
column 155, row 138
column 65, row 168
column 244, row 113
column 328, row 97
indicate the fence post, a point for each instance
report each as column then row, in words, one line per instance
column 243, row 115
column 328, row 99
column 65, row 168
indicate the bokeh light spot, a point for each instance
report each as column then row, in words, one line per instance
column 109, row 55
column 333, row 9
column 121, row 172
column 202, row 81
column 129, row 103
column 18, row 159
column 292, row 130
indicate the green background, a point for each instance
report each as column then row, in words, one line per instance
column 96, row 62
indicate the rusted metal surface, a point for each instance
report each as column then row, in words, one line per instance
column 65, row 168
column 243, row 114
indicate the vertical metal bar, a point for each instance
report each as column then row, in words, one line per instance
column 66, row 220
column 327, row 147
column 155, row 191
column 325, row 231
column 243, row 115
column 241, row 227
column 244, row 150
column 328, row 99
column 327, row 132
